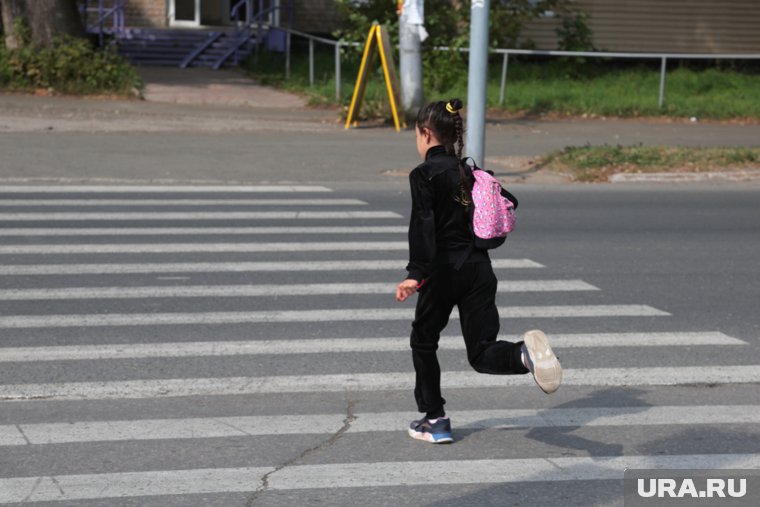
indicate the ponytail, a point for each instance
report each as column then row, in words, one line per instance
column 444, row 120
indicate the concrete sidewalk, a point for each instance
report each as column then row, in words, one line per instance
column 224, row 87
column 196, row 119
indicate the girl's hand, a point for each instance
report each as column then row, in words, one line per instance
column 406, row 289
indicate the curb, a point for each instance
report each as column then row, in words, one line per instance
column 747, row 175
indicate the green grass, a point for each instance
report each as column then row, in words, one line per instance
column 270, row 70
column 597, row 163
column 557, row 87
column 632, row 92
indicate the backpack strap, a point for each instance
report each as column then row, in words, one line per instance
column 473, row 166
column 471, row 248
column 504, row 192
column 510, row 196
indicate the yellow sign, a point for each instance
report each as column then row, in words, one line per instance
column 378, row 39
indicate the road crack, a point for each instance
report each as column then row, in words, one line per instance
column 35, row 486
column 347, row 421
column 58, row 485
column 18, row 427
column 232, row 426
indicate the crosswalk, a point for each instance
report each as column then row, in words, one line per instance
column 197, row 345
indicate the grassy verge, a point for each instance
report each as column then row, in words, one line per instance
column 597, row 163
column 552, row 86
column 269, row 69
column 630, row 91
column 71, row 66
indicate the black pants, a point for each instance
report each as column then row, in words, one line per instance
column 473, row 290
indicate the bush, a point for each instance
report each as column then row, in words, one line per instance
column 574, row 34
column 5, row 69
column 71, row 65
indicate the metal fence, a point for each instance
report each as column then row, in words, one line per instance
column 337, row 44
column 663, row 57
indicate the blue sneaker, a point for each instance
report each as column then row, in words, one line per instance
column 435, row 431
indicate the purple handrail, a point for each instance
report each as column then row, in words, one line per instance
column 249, row 18
column 116, row 12
column 244, row 31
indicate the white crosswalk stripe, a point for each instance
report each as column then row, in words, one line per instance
column 68, row 329
column 263, row 290
column 197, row 215
column 491, row 471
column 359, row 382
column 218, row 427
column 335, row 246
column 162, row 189
column 279, row 316
column 229, row 267
column 352, row 475
column 182, row 202
column 336, row 345
column 199, row 231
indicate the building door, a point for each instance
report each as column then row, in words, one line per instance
column 200, row 12
column 216, row 12
column 185, row 12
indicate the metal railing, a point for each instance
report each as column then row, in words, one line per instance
column 244, row 27
column 663, row 57
column 271, row 12
column 102, row 14
column 337, row 44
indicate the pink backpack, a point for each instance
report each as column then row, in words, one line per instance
column 493, row 215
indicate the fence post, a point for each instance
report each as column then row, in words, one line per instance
column 100, row 22
column 662, row 80
column 337, row 72
column 259, row 41
column 503, row 77
column 311, row 62
column 287, row 55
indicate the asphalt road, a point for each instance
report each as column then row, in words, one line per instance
column 241, row 346
column 205, row 360
column 62, row 139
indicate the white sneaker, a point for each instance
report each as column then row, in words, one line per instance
column 541, row 361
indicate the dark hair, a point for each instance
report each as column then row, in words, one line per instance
column 443, row 119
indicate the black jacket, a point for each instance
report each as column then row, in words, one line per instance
column 439, row 229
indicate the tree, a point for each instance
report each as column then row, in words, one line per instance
column 10, row 11
column 46, row 20
column 448, row 24
column 445, row 20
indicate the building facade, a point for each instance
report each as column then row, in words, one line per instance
column 674, row 26
column 683, row 26
column 314, row 16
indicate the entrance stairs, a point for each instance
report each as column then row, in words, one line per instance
column 185, row 47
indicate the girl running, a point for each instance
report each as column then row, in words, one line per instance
column 447, row 270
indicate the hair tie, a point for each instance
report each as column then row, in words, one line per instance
column 450, row 108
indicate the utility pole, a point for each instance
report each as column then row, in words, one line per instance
column 477, row 78
column 411, row 34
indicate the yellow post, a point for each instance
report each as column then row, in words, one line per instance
column 378, row 38
column 361, row 78
column 389, row 69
